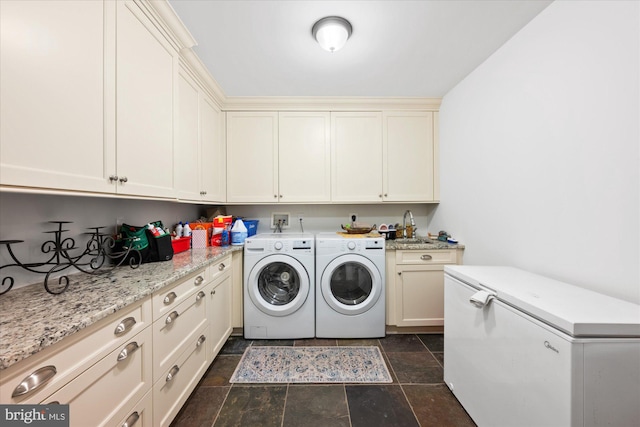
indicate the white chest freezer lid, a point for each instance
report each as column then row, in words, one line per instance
column 576, row 311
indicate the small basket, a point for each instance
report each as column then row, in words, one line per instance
column 180, row 245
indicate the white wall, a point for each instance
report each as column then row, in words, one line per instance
column 540, row 150
column 25, row 216
column 324, row 218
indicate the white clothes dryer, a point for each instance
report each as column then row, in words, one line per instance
column 279, row 294
column 350, row 292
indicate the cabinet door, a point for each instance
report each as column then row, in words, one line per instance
column 252, row 157
column 419, row 295
column 52, row 95
column 408, row 156
column 212, row 152
column 145, row 68
column 219, row 313
column 356, row 152
column 304, row 150
column 187, row 147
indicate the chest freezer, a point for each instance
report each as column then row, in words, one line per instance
column 524, row 350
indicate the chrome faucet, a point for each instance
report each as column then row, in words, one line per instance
column 404, row 225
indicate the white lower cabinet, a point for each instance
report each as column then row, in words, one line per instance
column 177, row 382
column 125, row 373
column 415, row 291
column 126, row 369
column 219, row 313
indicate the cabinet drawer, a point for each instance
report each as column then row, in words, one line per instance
column 141, row 415
column 106, row 390
column 219, row 268
column 165, row 301
column 173, row 331
column 63, row 361
column 426, row 257
column 177, row 382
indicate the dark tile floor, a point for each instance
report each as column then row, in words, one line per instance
column 417, row 396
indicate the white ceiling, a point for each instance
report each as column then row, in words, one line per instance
column 419, row 48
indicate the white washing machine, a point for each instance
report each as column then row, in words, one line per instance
column 350, row 293
column 279, row 294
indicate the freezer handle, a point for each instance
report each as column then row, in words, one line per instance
column 481, row 298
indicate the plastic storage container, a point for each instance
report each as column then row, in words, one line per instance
column 252, row 226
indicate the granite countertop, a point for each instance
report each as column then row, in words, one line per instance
column 32, row 319
column 420, row 243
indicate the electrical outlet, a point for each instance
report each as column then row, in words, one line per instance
column 280, row 220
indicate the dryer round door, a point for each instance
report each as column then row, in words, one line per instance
column 278, row 285
column 351, row 284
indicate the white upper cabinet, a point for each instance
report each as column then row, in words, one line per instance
column 252, row 157
column 213, row 172
column 52, row 132
column 408, row 168
column 356, row 157
column 304, row 157
column 278, row 157
column 87, row 92
column 146, row 66
column 199, row 160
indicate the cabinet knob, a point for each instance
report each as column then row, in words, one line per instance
column 131, row 419
column 380, row 195
column 173, row 372
column 200, row 296
column 385, row 194
column 129, row 349
column 281, row 196
column 399, row 273
column 169, row 298
column 113, row 178
column 201, row 340
column 123, row 179
column 213, row 292
column 124, row 326
column 199, row 280
column 172, row 317
column 222, row 266
column 34, row 381
column 275, row 196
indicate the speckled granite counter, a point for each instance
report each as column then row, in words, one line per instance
column 430, row 245
column 31, row 319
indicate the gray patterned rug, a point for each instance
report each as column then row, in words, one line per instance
column 311, row 365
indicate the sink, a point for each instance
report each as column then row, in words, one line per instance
column 414, row 240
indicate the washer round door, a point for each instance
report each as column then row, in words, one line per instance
column 351, row 284
column 278, row 285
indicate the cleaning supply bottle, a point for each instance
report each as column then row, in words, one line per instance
column 186, row 230
column 238, row 233
column 179, row 230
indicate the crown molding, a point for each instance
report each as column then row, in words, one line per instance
column 330, row 103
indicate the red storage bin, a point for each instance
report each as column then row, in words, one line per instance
column 180, row 245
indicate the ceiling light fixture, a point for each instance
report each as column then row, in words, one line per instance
column 332, row 32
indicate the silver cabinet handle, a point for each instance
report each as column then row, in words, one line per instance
column 199, row 280
column 131, row 420
column 201, row 340
column 170, row 318
column 123, row 179
column 172, row 373
column 221, row 266
column 34, row 381
column 169, row 298
column 129, row 349
column 426, row 257
column 124, row 326
column 113, row 178
column 200, row 296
